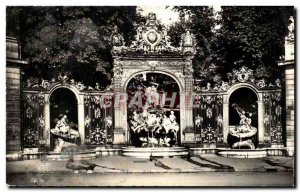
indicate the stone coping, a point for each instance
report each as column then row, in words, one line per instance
column 155, row 152
column 102, row 151
column 244, row 153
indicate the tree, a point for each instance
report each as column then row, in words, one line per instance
column 201, row 22
column 254, row 37
column 249, row 36
column 74, row 39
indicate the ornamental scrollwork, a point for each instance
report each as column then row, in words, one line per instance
column 64, row 79
column 267, row 119
column 97, row 113
column 151, row 39
column 278, row 110
column 276, row 134
column 30, row 137
column 118, row 70
column 209, row 112
column 198, row 120
column 261, row 83
column 209, row 135
column 242, row 75
column 29, row 112
column 219, row 120
column 98, row 136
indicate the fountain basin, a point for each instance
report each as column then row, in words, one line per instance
column 238, row 134
column 155, row 152
column 242, row 153
column 80, row 155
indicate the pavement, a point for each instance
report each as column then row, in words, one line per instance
column 205, row 179
column 203, row 163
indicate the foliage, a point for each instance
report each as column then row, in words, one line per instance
column 201, row 22
column 75, row 39
column 250, row 36
column 253, row 36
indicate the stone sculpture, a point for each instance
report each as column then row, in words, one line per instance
column 64, row 135
column 243, row 132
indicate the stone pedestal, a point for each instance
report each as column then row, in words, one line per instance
column 119, row 137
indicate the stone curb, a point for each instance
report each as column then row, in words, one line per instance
column 157, row 171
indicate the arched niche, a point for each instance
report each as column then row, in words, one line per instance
column 73, row 92
column 257, row 94
column 63, row 101
column 246, row 100
column 234, row 87
column 68, row 87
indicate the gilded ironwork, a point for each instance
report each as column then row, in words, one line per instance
column 98, row 122
column 208, row 120
column 272, row 117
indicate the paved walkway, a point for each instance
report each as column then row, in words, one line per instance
column 201, row 163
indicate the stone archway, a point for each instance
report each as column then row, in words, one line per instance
column 151, row 52
column 153, row 109
column 166, row 67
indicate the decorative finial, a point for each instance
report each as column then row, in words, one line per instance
column 291, row 26
column 152, row 16
column 188, row 42
column 117, row 40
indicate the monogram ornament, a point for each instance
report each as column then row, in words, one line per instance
column 244, row 74
column 151, row 40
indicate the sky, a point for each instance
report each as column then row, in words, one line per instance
column 165, row 14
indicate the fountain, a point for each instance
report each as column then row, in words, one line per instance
column 243, row 132
column 64, row 135
column 154, row 127
column 240, row 138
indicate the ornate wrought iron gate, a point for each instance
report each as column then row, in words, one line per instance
column 95, row 112
column 33, row 120
column 273, row 117
column 208, row 118
column 98, row 118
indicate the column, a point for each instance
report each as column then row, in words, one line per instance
column 81, row 130
column 182, row 117
column 290, row 109
column 120, row 129
column 47, row 120
column 188, row 118
column 225, row 118
column 261, row 128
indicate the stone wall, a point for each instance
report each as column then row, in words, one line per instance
column 290, row 109
column 13, row 109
